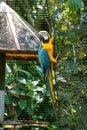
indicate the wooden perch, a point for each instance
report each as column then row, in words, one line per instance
column 20, row 123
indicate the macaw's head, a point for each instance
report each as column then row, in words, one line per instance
column 44, row 36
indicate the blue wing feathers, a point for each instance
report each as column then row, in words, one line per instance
column 44, row 60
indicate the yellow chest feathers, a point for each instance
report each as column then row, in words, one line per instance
column 49, row 47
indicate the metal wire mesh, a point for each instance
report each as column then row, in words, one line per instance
column 24, row 101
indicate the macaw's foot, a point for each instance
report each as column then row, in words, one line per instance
column 55, row 60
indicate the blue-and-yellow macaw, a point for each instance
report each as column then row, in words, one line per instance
column 45, row 57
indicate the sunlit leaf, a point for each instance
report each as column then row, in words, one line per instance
column 81, row 54
column 8, row 68
column 64, row 27
column 22, row 80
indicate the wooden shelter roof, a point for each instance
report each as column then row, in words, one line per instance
column 18, row 39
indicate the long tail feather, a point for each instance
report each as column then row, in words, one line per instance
column 51, row 84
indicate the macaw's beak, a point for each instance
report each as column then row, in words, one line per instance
column 44, row 36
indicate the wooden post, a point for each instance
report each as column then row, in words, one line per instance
column 1, row 105
column 2, row 71
column 2, row 85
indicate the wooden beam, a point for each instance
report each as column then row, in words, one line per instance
column 10, row 56
column 20, row 123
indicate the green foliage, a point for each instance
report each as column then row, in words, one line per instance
column 71, row 68
column 26, row 95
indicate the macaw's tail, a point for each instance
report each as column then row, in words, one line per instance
column 49, row 82
column 46, row 78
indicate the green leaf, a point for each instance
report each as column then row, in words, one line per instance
column 31, row 107
column 71, row 65
column 84, row 108
column 74, row 5
column 65, row 119
column 8, row 69
column 22, row 80
column 22, row 104
column 30, row 93
column 83, row 118
column 15, row 91
column 24, row 72
column 81, row 54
